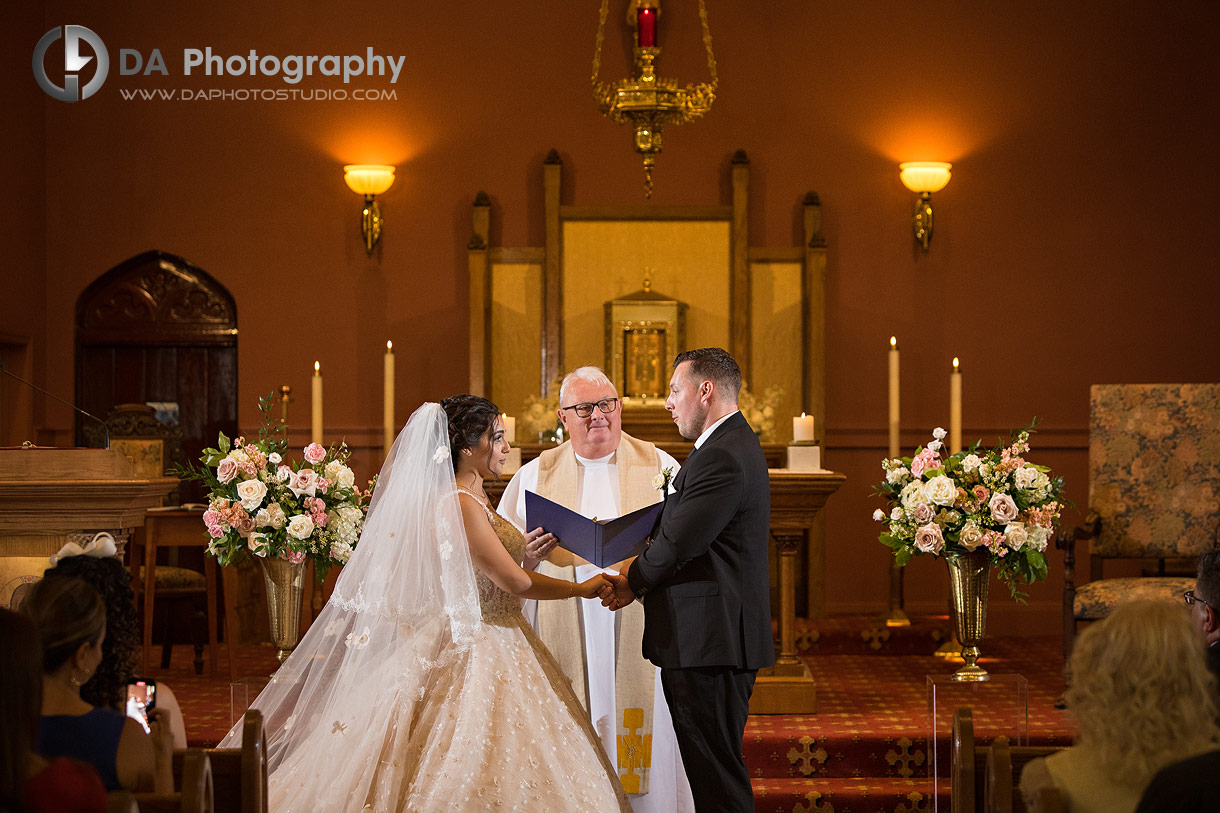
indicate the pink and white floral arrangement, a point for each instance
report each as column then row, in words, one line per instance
column 993, row 500
column 262, row 504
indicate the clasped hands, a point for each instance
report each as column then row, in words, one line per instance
column 611, row 588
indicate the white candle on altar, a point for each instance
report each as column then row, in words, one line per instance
column 802, row 428
column 893, row 396
column 315, row 434
column 388, row 400
column 955, row 408
column 510, row 427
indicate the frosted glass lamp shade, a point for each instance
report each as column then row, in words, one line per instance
column 368, row 179
column 924, row 176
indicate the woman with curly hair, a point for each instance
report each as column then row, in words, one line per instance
column 121, row 646
column 1143, row 698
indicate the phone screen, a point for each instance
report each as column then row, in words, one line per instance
column 141, row 697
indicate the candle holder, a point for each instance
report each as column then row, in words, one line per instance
column 805, row 455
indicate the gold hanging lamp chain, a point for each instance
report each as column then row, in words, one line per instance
column 601, row 36
column 707, row 44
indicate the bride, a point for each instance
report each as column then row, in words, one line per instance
column 420, row 686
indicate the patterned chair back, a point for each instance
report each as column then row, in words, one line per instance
column 1154, row 469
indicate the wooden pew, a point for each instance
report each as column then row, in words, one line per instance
column 194, row 783
column 239, row 775
column 987, row 778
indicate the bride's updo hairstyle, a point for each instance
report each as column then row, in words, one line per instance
column 470, row 418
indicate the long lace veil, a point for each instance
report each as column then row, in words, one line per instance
column 405, row 602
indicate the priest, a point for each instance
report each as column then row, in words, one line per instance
column 602, row 472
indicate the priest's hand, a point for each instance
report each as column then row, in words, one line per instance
column 621, row 595
column 597, row 587
column 538, row 544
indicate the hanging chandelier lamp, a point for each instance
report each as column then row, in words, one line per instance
column 646, row 101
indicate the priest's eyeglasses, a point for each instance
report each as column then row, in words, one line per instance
column 1190, row 598
column 606, row 405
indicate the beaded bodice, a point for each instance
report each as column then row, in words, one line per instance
column 499, row 607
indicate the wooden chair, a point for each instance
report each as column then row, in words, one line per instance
column 987, row 778
column 1153, row 493
column 239, row 775
column 194, row 783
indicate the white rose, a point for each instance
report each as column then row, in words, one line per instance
column 928, row 538
column 935, row 445
column 260, row 545
column 879, row 515
column 300, row 527
column 1003, row 508
column 251, row 493
column 1038, row 537
column 971, row 537
column 940, row 490
column 897, row 475
column 939, row 433
column 304, row 483
column 895, row 514
column 274, row 458
column 971, row 462
column 1025, row 477
column 283, row 474
column 1015, row 535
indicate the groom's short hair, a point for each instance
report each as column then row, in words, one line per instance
column 715, row 365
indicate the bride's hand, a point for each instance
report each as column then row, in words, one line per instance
column 538, row 544
column 597, row 587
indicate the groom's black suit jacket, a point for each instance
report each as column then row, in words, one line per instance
column 704, row 579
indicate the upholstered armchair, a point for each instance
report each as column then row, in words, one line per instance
column 1154, row 493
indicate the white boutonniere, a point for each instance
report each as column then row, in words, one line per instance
column 661, row 481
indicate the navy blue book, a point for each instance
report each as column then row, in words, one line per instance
column 602, row 542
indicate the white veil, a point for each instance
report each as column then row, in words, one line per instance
column 405, row 602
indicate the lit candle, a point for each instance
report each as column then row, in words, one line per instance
column 646, row 20
column 388, row 399
column 510, row 427
column 316, row 412
column 802, row 428
column 955, row 408
column 893, row 396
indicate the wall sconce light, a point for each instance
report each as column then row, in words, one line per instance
column 923, row 178
column 369, row 180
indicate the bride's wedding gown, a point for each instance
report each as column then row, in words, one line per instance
column 492, row 726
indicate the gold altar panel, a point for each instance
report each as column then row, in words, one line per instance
column 516, row 334
column 604, row 259
column 776, row 302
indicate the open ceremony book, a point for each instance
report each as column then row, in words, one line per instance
column 602, row 541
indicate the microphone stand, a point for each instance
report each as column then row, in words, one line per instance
column 37, row 388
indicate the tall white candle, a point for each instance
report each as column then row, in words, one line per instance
column 510, row 427
column 316, row 411
column 387, row 406
column 893, row 396
column 802, row 428
column 955, row 408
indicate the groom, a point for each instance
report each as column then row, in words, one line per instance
column 704, row 580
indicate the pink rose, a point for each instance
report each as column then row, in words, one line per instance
column 295, row 556
column 211, row 517
column 243, row 523
column 304, row 481
column 928, row 538
column 1003, row 508
column 922, row 513
column 927, row 459
column 315, row 453
column 980, row 492
column 227, row 470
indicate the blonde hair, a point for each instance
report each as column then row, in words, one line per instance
column 1141, row 690
column 589, row 374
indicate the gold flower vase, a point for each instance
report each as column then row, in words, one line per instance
column 969, row 578
column 285, row 583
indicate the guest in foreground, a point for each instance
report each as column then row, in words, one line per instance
column 1143, row 699
column 27, row 781
column 1204, row 603
column 1190, row 785
column 602, row 472
column 704, row 580
column 71, row 621
column 103, row 571
column 420, row 686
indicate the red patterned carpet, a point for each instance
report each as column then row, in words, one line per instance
column 866, row 750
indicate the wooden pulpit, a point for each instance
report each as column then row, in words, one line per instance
column 52, row 496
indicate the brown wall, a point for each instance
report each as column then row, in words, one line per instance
column 1076, row 243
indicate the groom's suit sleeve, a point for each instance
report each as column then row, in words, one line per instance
column 709, row 495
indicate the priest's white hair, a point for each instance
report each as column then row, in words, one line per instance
column 589, row 374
